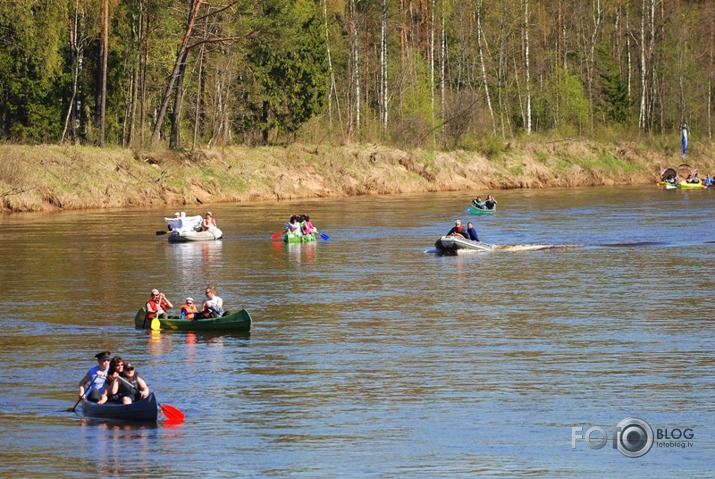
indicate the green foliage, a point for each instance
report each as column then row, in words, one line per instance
column 614, row 98
column 290, row 69
column 562, row 103
column 30, row 67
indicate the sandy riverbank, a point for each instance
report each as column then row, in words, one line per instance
column 51, row 177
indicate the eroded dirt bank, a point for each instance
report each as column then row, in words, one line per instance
column 47, row 178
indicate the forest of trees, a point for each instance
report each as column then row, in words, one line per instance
column 435, row 73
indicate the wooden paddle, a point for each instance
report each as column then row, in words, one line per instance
column 162, row 232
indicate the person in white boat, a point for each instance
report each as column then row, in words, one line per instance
column 208, row 221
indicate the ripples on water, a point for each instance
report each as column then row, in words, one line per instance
column 371, row 356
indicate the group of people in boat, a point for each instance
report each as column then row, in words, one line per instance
column 300, row 225
column 459, row 230
column 159, row 304
column 197, row 223
column 489, row 204
column 112, row 380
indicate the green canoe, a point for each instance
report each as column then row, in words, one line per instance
column 294, row 238
column 473, row 210
column 238, row 322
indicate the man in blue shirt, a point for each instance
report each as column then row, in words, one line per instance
column 472, row 232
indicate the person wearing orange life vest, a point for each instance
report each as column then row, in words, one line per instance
column 188, row 309
column 157, row 305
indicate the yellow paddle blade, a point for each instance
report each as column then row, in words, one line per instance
column 155, row 324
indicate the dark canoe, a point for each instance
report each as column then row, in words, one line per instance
column 473, row 210
column 145, row 409
column 453, row 244
column 238, row 322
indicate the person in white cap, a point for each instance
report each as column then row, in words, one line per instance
column 188, row 309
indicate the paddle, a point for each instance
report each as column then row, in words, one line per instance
column 277, row 235
column 155, row 324
column 162, row 232
column 91, row 381
column 172, row 414
column 324, row 236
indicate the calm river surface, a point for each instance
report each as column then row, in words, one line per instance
column 371, row 356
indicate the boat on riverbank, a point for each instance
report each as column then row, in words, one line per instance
column 238, row 322
column 453, row 244
column 143, row 410
column 686, row 185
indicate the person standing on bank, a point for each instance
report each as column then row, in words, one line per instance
column 94, row 383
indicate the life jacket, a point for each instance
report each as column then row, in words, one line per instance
column 190, row 311
column 155, row 307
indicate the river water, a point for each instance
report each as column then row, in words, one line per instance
column 370, row 355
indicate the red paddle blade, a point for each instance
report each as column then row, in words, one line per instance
column 172, row 413
column 277, row 235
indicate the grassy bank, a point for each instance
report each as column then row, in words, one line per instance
column 50, row 177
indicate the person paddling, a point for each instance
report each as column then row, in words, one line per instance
column 94, row 383
column 157, row 305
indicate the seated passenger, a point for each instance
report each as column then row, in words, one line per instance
column 213, row 305
column 188, row 309
column 478, row 203
column 490, row 203
column 458, row 230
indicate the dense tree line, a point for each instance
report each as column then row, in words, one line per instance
column 198, row 73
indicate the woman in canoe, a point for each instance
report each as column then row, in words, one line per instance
column 127, row 386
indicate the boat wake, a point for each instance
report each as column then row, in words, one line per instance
column 512, row 248
column 531, row 247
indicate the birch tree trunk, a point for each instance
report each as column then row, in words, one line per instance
column 104, row 53
column 180, row 58
column 355, row 62
column 383, row 66
column 77, row 52
column 526, row 67
column 480, row 51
